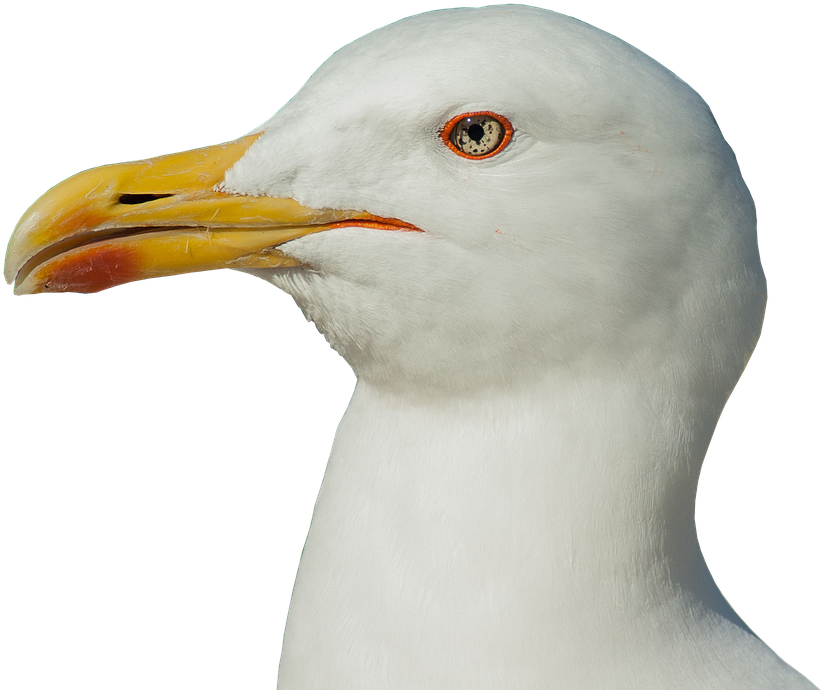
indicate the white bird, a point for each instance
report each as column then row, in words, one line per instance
column 541, row 263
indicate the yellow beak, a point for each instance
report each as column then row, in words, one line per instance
column 159, row 217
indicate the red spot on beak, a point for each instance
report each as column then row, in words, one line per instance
column 91, row 269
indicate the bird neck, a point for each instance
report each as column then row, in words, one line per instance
column 559, row 513
column 574, row 483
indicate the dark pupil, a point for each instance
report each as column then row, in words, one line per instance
column 475, row 132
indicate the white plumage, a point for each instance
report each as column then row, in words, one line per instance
column 509, row 502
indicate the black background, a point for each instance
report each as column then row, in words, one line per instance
column 172, row 434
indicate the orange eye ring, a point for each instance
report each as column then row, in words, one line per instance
column 449, row 128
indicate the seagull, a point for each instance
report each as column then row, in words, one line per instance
column 535, row 249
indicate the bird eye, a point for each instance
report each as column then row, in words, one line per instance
column 477, row 135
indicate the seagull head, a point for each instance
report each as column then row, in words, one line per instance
column 464, row 199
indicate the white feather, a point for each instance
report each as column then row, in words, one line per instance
column 510, row 498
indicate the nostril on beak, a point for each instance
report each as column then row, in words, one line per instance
column 133, row 199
